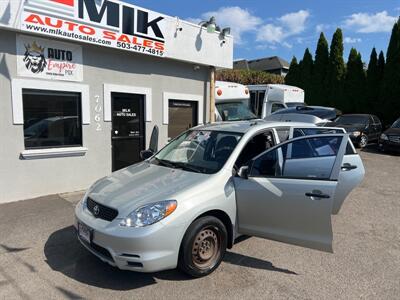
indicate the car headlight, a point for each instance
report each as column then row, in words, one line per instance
column 149, row 214
column 356, row 133
column 383, row 137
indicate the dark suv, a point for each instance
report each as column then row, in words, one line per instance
column 390, row 138
column 363, row 128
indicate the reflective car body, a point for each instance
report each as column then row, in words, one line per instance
column 389, row 140
column 292, row 184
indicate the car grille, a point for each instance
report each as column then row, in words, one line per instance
column 394, row 138
column 101, row 211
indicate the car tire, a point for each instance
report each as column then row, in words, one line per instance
column 203, row 247
column 363, row 141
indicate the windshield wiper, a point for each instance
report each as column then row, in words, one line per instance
column 187, row 167
column 165, row 163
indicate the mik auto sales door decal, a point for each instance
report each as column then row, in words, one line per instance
column 42, row 58
column 102, row 22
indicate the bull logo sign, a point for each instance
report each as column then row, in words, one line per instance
column 34, row 58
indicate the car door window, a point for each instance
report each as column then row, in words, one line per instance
column 283, row 133
column 256, row 145
column 297, row 132
column 305, row 158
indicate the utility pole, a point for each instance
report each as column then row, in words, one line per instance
column 212, row 94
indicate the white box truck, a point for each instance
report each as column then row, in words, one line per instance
column 232, row 102
column 268, row 98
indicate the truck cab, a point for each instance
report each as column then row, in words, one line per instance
column 232, row 102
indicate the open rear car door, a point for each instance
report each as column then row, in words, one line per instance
column 289, row 190
column 352, row 170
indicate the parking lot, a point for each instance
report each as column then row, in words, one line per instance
column 41, row 258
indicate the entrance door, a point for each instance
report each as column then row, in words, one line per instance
column 128, row 129
column 182, row 116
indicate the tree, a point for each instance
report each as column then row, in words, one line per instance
column 390, row 93
column 306, row 66
column 318, row 90
column 373, row 81
column 354, row 84
column 381, row 66
column 336, row 71
column 292, row 77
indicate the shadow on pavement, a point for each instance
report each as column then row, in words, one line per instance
column 251, row 262
column 373, row 148
column 65, row 254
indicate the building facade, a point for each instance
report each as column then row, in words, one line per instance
column 74, row 109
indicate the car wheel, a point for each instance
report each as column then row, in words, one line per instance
column 363, row 141
column 203, row 247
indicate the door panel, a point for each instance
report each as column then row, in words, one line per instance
column 182, row 116
column 128, row 130
column 278, row 209
column 291, row 207
column 349, row 178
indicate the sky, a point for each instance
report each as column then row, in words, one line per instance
column 285, row 28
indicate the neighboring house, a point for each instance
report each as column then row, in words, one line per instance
column 274, row 65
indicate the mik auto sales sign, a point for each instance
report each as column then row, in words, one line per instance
column 42, row 58
column 102, row 22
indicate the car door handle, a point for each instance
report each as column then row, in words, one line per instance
column 318, row 195
column 348, row 167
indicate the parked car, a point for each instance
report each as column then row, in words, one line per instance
column 186, row 204
column 363, row 128
column 326, row 114
column 389, row 140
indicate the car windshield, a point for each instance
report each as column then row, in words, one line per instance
column 294, row 104
column 351, row 120
column 235, row 111
column 201, row 151
column 396, row 124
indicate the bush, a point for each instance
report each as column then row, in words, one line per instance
column 248, row 77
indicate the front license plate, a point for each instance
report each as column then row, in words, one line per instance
column 85, row 233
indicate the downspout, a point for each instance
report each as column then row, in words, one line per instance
column 212, row 94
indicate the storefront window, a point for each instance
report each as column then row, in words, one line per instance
column 52, row 119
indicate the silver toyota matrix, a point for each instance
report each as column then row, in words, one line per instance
column 183, row 206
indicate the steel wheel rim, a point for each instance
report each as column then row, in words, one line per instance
column 206, row 248
column 363, row 141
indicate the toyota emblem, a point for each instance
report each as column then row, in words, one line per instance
column 96, row 210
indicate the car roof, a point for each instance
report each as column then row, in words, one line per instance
column 357, row 115
column 245, row 126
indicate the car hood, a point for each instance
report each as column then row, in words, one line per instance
column 143, row 183
column 392, row 131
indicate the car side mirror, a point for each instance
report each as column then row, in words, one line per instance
column 145, row 154
column 243, row 172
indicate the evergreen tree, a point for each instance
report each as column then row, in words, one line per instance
column 306, row 70
column 292, row 77
column 336, row 71
column 318, row 90
column 373, row 82
column 390, row 93
column 381, row 66
column 354, row 85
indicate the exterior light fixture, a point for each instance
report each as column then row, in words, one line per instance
column 211, row 25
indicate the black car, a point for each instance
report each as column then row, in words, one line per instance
column 363, row 128
column 326, row 113
column 390, row 138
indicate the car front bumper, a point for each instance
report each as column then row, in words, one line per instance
column 387, row 145
column 147, row 249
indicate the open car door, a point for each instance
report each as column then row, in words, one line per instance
column 352, row 170
column 289, row 191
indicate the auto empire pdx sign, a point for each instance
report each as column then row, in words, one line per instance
column 110, row 23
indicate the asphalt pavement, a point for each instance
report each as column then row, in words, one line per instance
column 40, row 257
